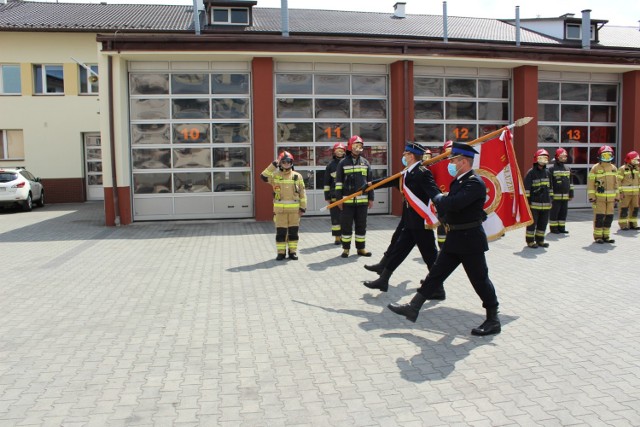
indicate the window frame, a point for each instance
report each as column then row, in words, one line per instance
column 43, row 77
column 4, row 145
column 229, row 11
column 2, row 80
column 83, row 80
column 592, row 35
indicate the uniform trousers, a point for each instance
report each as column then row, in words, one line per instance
column 354, row 213
column 475, row 265
column 335, row 220
column 535, row 231
column 407, row 240
column 603, row 217
column 558, row 214
column 628, row 211
column 287, row 226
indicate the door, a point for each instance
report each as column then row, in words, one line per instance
column 93, row 166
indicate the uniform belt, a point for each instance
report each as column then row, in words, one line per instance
column 465, row 226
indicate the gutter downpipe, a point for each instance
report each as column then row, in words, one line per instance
column 284, row 16
column 196, row 17
column 517, row 25
column 586, row 29
column 112, row 145
column 445, row 23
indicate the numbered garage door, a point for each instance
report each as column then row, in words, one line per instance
column 190, row 140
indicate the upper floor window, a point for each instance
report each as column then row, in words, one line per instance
column 574, row 32
column 48, row 79
column 11, row 145
column 88, row 80
column 230, row 15
column 10, row 80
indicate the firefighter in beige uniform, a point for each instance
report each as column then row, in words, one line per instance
column 628, row 182
column 602, row 191
column 289, row 203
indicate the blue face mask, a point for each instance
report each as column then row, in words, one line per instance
column 452, row 169
column 404, row 161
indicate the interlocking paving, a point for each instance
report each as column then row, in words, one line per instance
column 195, row 324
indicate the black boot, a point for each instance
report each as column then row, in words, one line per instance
column 381, row 282
column 377, row 268
column 490, row 326
column 411, row 310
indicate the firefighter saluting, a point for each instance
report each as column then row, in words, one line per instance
column 628, row 182
column 562, row 192
column 339, row 151
column 289, row 203
column 602, row 191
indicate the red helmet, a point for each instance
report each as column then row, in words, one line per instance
column 427, row 151
column 447, row 145
column 540, row 152
column 632, row 155
column 338, row 145
column 285, row 155
column 605, row 149
column 560, row 152
column 355, row 139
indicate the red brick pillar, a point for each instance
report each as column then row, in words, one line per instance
column 402, row 113
column 630, row 120
column 263, row 133
column 525, row 104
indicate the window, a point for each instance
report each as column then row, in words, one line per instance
column 11, row 145
column 574, row 32
column 48, row 79
column 230, row 16
column 88, row 80
column 458, row 109
column 10, row 80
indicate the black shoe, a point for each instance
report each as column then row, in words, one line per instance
column 337, row 241
column 280, row 257
column 532, row 245
column 381, row 283
column 563, row 231
column 411, row 310
column 438, row 295
column 293, row 256
column 608, row 240
column 345, row 253
column 543, row 244
column 599, row 241
column 488, row 327
column 376, row 268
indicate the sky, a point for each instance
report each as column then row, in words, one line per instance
column 618, row 12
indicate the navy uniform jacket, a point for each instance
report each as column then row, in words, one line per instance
column 421, row 183
column 464, row 205
column 330, row 179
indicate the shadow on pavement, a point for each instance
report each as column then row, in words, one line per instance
column 437, row 358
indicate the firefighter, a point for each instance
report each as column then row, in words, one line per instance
column 562, row 192
column 339, row 151
column 289, row 203
column 602, row 191
column 352, row 175
column 539, row 191
column 628, row 184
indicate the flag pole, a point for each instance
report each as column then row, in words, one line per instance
column 520, row 122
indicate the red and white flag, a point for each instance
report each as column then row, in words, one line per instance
column 506, row 205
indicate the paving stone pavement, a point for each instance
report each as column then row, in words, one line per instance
column 195, row 324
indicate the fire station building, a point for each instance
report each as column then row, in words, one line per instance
column 166, row 112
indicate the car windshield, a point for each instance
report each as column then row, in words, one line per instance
column 8, row 176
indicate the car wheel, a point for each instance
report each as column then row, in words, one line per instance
column 41, row 201
column 28, row 204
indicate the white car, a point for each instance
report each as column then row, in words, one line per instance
column 18, row 187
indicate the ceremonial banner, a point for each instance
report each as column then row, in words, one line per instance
column 506, row 205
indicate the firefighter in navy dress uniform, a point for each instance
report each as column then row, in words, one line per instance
column 466, row 243
column 417, row 186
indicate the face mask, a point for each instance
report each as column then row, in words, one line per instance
column 286, row 165
column 452, row 169
column 542, row 160
column 606, row 157
column 404, row 161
